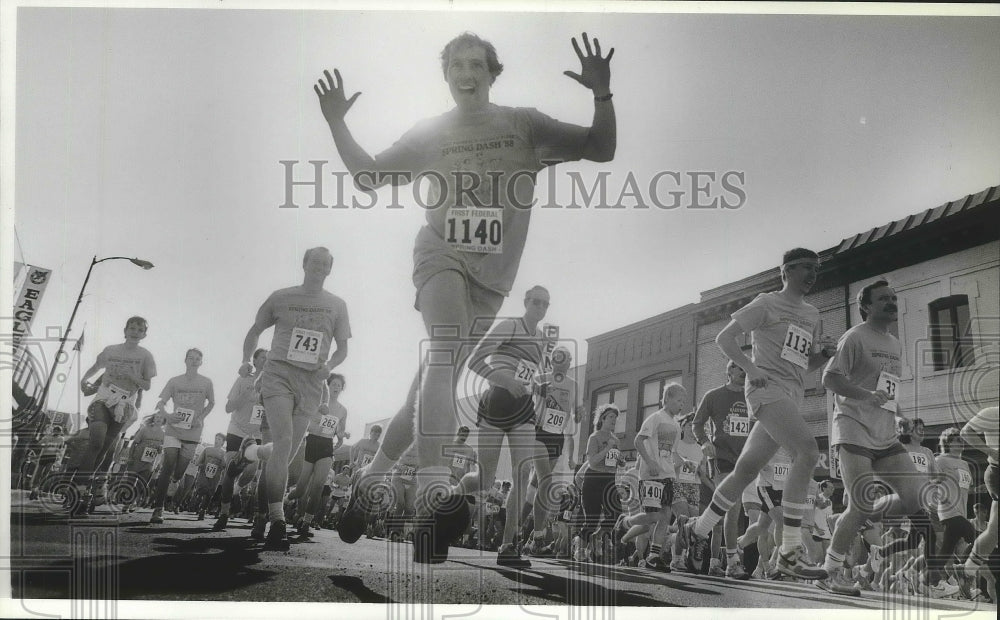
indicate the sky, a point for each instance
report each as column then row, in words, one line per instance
column 158, row 134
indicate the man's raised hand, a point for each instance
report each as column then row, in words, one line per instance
column 331, row 97
column 595, row 71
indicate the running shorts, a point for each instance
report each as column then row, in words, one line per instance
column 318, row 447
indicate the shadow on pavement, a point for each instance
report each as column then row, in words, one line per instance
column 562, row 590
column 179, row 567
column 357, row 587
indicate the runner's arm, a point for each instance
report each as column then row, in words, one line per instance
column 265, row 319
column 480, row 359
column 338, row 356
column 701, row 418
column 236, row 396
column 727, row 341
column 595, row 74
column 99, row 364
column 210, row 397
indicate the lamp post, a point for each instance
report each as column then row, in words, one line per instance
column 138, row 262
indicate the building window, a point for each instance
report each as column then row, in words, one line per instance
column 951, row 336
column 650, row 392
column 617, row 396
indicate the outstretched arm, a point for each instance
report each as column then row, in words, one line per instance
column 335, row 105
column 595, row 74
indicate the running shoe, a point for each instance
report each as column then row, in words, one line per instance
column 201, row 515
column 257, row 531
column 303, row 530
column 836, row 584
column 943, row 590
column 449, row 519
column 697, row 546
column 354, row 519
column 276, row 537
column 655, row 561
column 736, row 571
column 793, row 564
column 716, row 570
column 678, row 564
column 157, row 516
column 510, row 558
column 220, row 525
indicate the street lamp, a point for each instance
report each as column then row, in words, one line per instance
column 138, row 262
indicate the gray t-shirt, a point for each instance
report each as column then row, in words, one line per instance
column 863, row 356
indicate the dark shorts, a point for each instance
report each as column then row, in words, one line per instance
column 501, row 410
column 959, row 528
column 873, row 455
column 99, row 412
column 724, row 468
column 769, row 497
column 318, row 447
column 553, row 443
column 234, row 442
column 666, row 497
column 992, row 477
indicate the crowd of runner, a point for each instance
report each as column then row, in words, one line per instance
column 727, row 489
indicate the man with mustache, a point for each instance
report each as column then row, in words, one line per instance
column 864, row 375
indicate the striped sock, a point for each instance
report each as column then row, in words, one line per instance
column 833, row 560
column 791, row 534
column 716, row 511
column 655, row 549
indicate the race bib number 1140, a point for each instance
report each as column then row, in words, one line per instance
column 474, row 230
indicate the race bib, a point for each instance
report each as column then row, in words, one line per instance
column 781, row 471
column 256, row 415
column 797, row 346
column 366, row 458
column 112, row 394
column 567, row 515
column 611, row 460
column 474, row 230
column 149, row 454
column 210, row 470
column 689, row 471
column 407, row 472
column 492, row 509
column 525, row 372
column 919, row 461
column 652, row 494
column 187, row 417
column 458, row 461
column 737, row 426
column 553, row 421
column 964, row 479
column 328, row 424
column 304, row 345
column 888, row 383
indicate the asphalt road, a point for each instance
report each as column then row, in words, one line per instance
column 122, row 557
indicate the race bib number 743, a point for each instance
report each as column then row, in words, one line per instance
column 474, row 230
column 305, row 345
